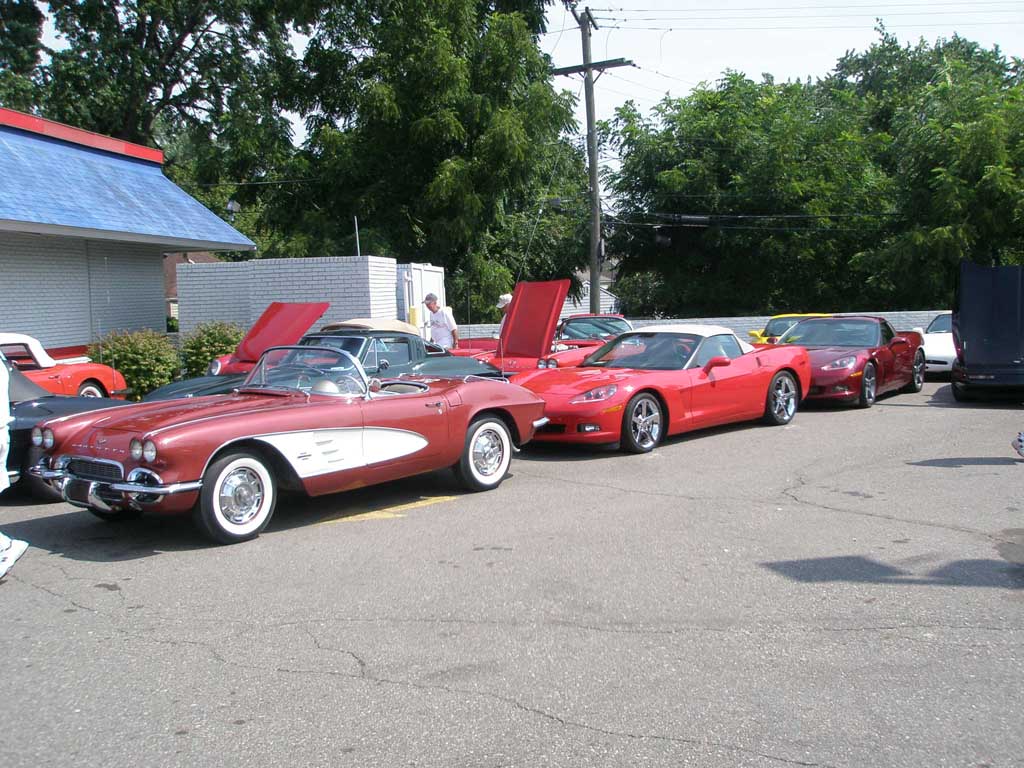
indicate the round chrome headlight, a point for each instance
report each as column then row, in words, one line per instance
column 213, row 368
column 47, row 439
column 37, row 436
column 552, row 363
column 149, row 451
column 135, row 448
column 542, row 363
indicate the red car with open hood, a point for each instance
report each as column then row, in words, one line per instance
column 528, row 336
column 667, row 379
column 281, row 323
column 306, row 419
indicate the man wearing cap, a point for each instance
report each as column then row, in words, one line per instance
column 443, row 330
column 504, row 301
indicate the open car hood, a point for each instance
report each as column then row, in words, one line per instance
column 532, row 317
column 280, row 325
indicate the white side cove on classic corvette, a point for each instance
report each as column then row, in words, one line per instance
column 332, row 450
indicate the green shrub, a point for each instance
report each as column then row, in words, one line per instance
column 147, row 359
column 172, row 324
column 206, row 342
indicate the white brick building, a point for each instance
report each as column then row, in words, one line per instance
column 84, row 223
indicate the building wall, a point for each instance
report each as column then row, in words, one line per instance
column 355, row 286
column 609, row 302
column 69, row 291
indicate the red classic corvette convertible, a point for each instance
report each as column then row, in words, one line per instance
column 305, row 419
column 668, row 379
column 856, row 359
column 79, row 377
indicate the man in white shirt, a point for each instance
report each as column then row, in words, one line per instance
column 10, row 549
column 443, row 330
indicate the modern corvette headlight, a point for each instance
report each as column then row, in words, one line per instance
column 135, row 449
column 149, row 451
column 843, row 363
column 596, row 394
column 48, row 439
column 213, row 368
column 37, row 436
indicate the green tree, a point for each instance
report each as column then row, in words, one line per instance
column 21, row 28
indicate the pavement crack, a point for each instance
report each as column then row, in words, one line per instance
column 321, row 647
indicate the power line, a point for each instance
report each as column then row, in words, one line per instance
column 844, row 6
column 885, row 14
column 761, row 28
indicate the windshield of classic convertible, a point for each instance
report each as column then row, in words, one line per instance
column 316, row 370
column 647, row 351
column 833, row 332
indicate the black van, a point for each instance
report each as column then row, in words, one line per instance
column 988, row 331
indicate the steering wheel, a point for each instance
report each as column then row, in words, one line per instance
column 349, row 384
column 303, row 372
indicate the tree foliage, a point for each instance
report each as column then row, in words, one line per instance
column 863, row 189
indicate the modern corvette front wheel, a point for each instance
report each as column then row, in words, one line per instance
column 485, row 455
column 641, row 424
column 868, row 386
column 780, row 404
column 237, row 499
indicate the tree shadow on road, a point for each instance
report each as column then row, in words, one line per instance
column 865, row 570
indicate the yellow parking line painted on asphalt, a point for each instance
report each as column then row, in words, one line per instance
column 389, row 513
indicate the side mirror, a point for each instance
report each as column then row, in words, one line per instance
column 716, row 362
column 384, row 364
column 754, row 334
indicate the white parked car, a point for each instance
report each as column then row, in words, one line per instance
column 939, row 352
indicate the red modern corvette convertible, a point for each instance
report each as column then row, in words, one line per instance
column 856, row 359
column 668, row 379
column 305, row 419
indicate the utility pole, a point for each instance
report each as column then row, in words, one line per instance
column 586, row 22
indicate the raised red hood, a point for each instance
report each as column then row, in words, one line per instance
column 530, row 323
column 280, row 324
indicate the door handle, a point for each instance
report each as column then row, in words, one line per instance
column 433, row 405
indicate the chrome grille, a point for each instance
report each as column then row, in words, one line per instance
column 95, row 470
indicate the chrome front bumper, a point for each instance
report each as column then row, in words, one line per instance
column 108, row 495
column 540, row 422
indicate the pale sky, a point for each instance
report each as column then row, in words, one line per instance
column 679, row 43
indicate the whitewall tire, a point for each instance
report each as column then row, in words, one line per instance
column 237, row 499
column 486, row 454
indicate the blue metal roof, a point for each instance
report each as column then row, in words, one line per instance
column 55, row 187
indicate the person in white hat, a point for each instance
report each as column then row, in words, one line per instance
column 10, row 549
column 504, row 301
column 443, row 330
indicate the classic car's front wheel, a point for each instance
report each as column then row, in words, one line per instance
column 237, row 499
column 486, row 454
column 90, row 388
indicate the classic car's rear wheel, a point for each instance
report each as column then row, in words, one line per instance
column 641, row 424
column 237, row 499
column 486, row 454
column 868, row 386
column 916, row 383
column 91, row 388
column 780, row 405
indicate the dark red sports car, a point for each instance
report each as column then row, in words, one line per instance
column 856, row 359
column 306, row 419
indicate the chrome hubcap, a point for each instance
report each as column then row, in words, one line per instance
column 869, row 384
column 488, row 452
column 784, row 399
column 241, row 496
column 645, row 424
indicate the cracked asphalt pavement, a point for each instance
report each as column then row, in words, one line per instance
column 844, row 591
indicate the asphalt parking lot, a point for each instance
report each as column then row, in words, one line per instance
column 844, row 591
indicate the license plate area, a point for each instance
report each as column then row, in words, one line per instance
column 77, row 490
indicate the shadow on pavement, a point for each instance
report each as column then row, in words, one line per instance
column 966, row 461
column 864, row 570
column 78, row 535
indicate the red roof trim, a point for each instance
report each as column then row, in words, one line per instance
column 55, row 130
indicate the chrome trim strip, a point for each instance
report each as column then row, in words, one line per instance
column 156, row 490
column 541, row 422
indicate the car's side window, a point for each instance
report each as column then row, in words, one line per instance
column 712, row 346
column 20, row 355
column 395, row 350
column 731, row 347
column 887, row 333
